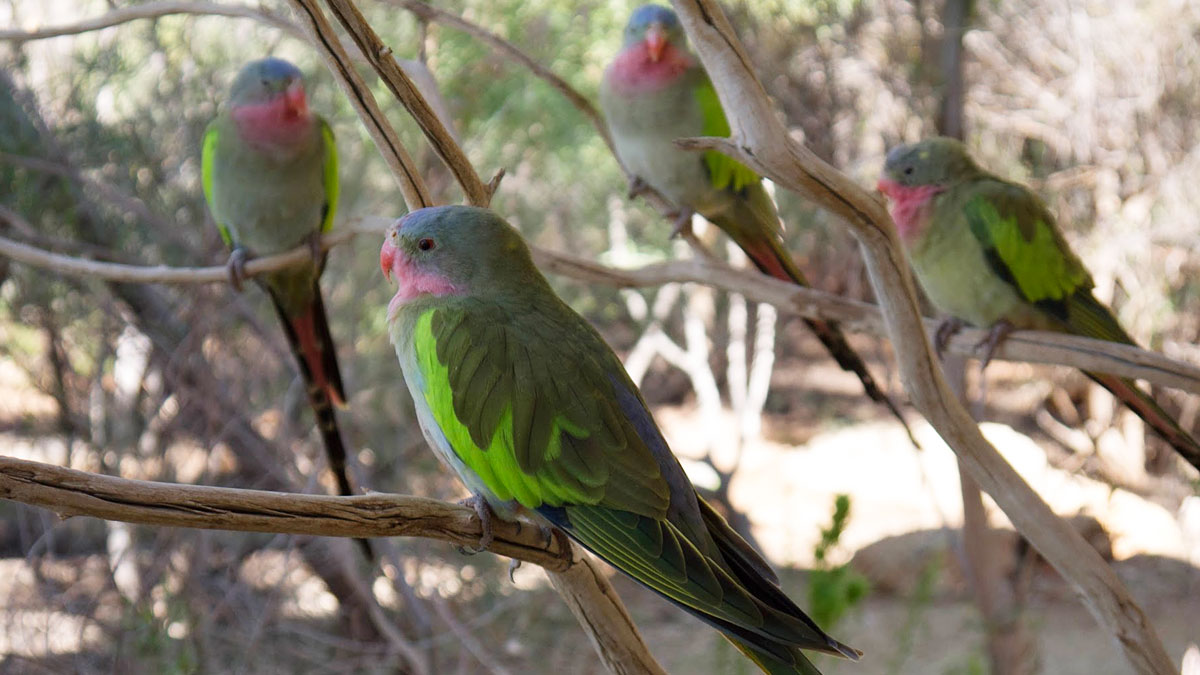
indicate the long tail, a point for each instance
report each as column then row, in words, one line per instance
column 313, row 346
column 1152, row 414
column 769, row 256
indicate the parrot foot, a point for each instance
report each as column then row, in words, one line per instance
column 483, row 511
column 235, row 267
column 513, row 565
column 946, row 330
column 683, row 223
column 995, row 336
column 553, row 534
column 637, row 186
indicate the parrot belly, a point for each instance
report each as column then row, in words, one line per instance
column 644, row 128
column 269, row 204
column 952, row 268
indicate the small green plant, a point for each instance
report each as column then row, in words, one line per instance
column 834, row 589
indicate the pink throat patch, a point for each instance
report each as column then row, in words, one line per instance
column 278, row 124
column 413, row 284
column 909, row 206
column 634, row 72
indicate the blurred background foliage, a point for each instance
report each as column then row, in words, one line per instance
column 1093, row 104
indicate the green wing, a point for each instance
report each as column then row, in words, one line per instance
column 207, row 161
column 532, row 411
column 724, row 171
column 1023, row 244
column 1024, row 247
column 330, row 176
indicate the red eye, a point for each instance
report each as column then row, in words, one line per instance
column 426, row 244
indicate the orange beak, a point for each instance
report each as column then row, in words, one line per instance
column 656, row 42
column 887, row 186
column 297, row 104
column 387, row 258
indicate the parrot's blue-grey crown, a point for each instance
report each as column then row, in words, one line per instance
column 263, row 80
column 933, row 160
column 647, row 15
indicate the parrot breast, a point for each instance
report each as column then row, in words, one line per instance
column 909, row 206
column 634, row 71
column 279, row 124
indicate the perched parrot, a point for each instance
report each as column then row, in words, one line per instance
column 654, row 92
column 526, row 402
column 988, row 253
column 271, row 180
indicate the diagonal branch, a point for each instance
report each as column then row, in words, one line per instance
column 584, row 105
column 760, row 139
column 380, row 56
column 412, row 186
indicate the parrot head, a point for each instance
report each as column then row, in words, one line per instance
column 268, row 101
column 914, row 174
column 455, row 250
column 654, row 29
column 934, row 161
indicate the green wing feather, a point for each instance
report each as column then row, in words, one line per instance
column 1024, row 246
column 207, row 161
column 330, row 176
column 532, row 418
column 724, row 171
column 534, row 409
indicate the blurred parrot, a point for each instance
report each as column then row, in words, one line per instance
column 654, row 92
column 988, row 253
column 534, row 411
column 270, row 177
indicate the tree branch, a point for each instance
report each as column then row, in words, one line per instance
column 380, row 56
column 584, row 587
column 1028, row 346
column 761, row 140
column 154, row 10
column 323, row 37
column 582, row 103
column 69, row 493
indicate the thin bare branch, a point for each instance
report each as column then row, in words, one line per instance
column 160, row 274
column 760, row 139
column 584, row 105
column 380, row 56
column 323, row 37
column 154, row 10
column 1029, row 346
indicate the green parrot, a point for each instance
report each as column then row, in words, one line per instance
column 526, row 402
column 988, row 253
column 654, row 92
column 270, row 177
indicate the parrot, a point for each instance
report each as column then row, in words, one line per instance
column 270, row 174
column 988, row 253
column 654, row 92
column 525, row 401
